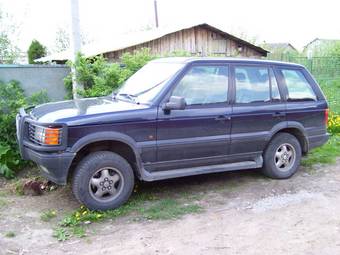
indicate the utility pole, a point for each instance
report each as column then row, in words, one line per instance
column 156, row 12
column 75, row 44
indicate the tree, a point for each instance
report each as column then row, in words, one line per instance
column 8, row 51
column 35, row 51
column 62, row 40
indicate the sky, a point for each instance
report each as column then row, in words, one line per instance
column 297, row 22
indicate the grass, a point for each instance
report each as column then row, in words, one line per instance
column 331, row 150
column 168, row 209
column 10, row 234
column 3, row 203
column 48, row 215
column 331, row 89
column 142, row 206
column 326, row 154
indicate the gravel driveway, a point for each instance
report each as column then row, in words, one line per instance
column 248, row 215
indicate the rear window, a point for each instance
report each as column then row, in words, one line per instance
column 297, row 85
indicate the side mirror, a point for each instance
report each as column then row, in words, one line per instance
column 175, row 103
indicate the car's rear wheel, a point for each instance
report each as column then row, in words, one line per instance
column 282, row 156
column 103, row 180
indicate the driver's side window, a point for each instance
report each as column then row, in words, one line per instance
column 204, row 85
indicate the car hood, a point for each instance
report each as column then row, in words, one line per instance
column 65, row 111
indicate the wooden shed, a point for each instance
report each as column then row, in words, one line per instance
column 199, row 40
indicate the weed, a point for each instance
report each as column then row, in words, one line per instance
column 61, row 234
column 79, row 231
column 48, row 215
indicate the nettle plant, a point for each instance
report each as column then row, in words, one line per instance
column 12, row 98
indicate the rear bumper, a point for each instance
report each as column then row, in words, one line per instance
column 54, row 166
column 318, row 140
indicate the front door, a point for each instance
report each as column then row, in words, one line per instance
column 199, row 134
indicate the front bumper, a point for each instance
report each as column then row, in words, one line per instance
column 54, row 166
column 53, row 161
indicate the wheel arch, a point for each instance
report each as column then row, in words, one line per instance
column 116, row 142
column 294, row 128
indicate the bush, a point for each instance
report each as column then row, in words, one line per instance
column 333, row 123
column 100, row 78
column 11, row 99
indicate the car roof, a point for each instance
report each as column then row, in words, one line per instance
column 185, row 60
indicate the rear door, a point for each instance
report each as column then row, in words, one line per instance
column 257, row 108
column 305, row 106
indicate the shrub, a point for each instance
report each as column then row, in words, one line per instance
column 11, row 99
column 333, row 123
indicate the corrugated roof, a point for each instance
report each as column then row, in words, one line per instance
column 275, row 46
column 132, row 39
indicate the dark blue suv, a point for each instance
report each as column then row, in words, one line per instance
column 177, row 117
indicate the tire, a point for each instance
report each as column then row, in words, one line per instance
column 281, row 163
column 103, row 180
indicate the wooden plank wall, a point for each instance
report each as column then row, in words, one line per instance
column 197, row 40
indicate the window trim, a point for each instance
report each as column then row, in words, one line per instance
column 284, row 84
column 264, row 66
column 198, row 106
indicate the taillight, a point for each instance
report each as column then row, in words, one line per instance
column 326, row 117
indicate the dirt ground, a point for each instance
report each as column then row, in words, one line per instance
column 244, row 213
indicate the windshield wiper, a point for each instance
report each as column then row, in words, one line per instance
column 128, row 96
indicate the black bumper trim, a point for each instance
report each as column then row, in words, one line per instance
column 318, row 140
column 54, row 166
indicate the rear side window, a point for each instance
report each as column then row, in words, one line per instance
column 297, row 85
column 252, row 84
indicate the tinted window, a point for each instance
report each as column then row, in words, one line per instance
column 204, row 85
column 252, row 84
column 297, row 85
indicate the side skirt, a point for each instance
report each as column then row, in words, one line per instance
column 182, row 172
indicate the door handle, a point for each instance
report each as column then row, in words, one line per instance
column 279, row 114
column 222, row 118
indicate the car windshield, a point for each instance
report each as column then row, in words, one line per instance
column 147, row 82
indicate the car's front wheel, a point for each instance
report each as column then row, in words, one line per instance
column 103, row 180
column 282, row 156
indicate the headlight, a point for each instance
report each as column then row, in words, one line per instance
column 45, row 135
